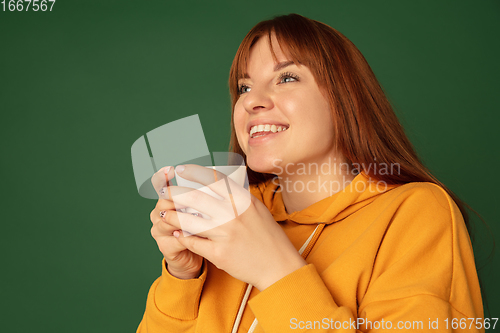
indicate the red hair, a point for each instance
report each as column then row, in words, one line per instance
column 367, row 129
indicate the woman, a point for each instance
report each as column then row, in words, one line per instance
column 345, row 229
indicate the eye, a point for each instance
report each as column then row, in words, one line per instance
column 287, row 77
column 243, row 89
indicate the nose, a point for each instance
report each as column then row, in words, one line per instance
column 257, row 99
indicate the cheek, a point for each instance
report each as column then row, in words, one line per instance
column 324, row 124
column 307, row 108
column 239, row 121
column 319, row 117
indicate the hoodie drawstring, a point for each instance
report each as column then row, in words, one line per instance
column 311, row 241
column 304, row 252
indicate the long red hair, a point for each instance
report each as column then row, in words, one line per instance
column 367, row 129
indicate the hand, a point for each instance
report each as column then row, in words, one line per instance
column 181, row 262
column 241, row 237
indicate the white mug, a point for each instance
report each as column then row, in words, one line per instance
column 237, row 173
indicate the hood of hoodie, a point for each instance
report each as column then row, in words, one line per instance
column 359, row 193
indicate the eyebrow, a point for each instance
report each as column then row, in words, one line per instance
column 282, row 65
column 278, row 67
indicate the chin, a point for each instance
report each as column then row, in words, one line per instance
column 264, row 165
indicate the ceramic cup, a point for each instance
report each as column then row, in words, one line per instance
column 236, row 173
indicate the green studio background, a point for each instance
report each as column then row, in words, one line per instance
column 80, row 84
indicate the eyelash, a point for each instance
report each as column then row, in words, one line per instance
column 288, row 75
column 280, row 79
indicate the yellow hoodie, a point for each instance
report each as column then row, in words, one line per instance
column 383, row 258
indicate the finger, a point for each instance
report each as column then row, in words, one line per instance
column 189, row 223
column 162, row 178
column 198, row 245
column 198, row 200
column 207, row 176
column 231, row 190
column 240, row 197
column 167, row 243
column 164, row 204
column 159, row 214
column 162, row 228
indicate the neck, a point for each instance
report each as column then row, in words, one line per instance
column 302, row 187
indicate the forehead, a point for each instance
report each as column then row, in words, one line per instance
column 265, row 55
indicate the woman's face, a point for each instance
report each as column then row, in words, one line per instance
column 281, row 94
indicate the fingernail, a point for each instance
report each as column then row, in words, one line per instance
column 163, row 213
column 162, row 191
column 166, row 170
column 180, row 168
column 176, row 234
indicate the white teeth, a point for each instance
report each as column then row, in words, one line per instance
column 266, row 128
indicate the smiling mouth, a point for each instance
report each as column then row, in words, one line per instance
column 261, row 130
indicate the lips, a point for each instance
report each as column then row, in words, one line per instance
column 265, row 129
column 264, row 121
column 264, row 137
